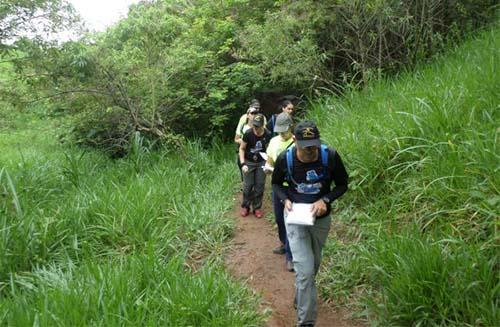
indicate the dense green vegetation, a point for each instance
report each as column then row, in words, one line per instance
column 138, row 241
column 92, row 241
column 189, row 68
column 422, row 244
column 86, row 240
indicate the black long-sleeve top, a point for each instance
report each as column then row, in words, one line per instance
column 303, row 188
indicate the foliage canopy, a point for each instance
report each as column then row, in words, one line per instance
column 18, row 18
column 173, row 69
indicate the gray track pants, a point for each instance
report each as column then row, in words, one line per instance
column 306, row 243
column 253, row 186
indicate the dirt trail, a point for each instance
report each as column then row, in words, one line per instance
column 251, row 259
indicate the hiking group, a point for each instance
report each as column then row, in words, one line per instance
column 303, row 171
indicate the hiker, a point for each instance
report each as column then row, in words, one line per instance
column 285, row 106
column 254, row 141
column 309, row 168
column 279, row 143
column 244, row 124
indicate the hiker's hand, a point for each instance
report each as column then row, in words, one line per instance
column 267, row 171
column 318, row 208
column 288, row 205
column 244, row 169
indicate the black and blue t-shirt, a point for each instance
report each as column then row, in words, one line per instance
column 255, row 145
column 310, row 181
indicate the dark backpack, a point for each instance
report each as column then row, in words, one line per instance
column 273, row 121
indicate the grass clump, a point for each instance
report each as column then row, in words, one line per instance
column 137, row 290
column 423, row 155
column 432, row 283
column 136, row 241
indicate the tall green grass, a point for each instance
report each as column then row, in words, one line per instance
column 138, row 241
column 424, row 282
column 423, row 152
column 137, row 290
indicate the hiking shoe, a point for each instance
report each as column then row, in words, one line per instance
column 258, row 213
column 244, row 211
column 289, row 266
column 279, row 250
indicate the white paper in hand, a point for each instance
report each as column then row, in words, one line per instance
column 268, row 167
column 301, row 214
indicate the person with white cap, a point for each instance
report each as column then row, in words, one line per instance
column 279, row 143
column 309, row 168
column 244, row 124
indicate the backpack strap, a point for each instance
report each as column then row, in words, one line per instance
column 324, row 156
column 272, row 122
column 289, row 162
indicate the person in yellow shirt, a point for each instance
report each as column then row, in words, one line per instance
column 278, row 144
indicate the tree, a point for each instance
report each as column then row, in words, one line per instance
column 20, row 18
column 188, row 68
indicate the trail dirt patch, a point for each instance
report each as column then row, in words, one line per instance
column 251, row 259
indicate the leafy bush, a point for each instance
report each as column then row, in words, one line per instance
column 108, row 130
column 190, row 68
column 311, row 44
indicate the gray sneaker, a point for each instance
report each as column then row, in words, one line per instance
column 289, row 266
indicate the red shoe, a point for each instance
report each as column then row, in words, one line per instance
column 258, row 213
column 244, row 212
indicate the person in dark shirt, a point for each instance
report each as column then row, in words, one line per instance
column 244, row 124
column 285, row 106
column 308, row 182
column 254, row 142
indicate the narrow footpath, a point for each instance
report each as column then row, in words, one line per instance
column 251, row 259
